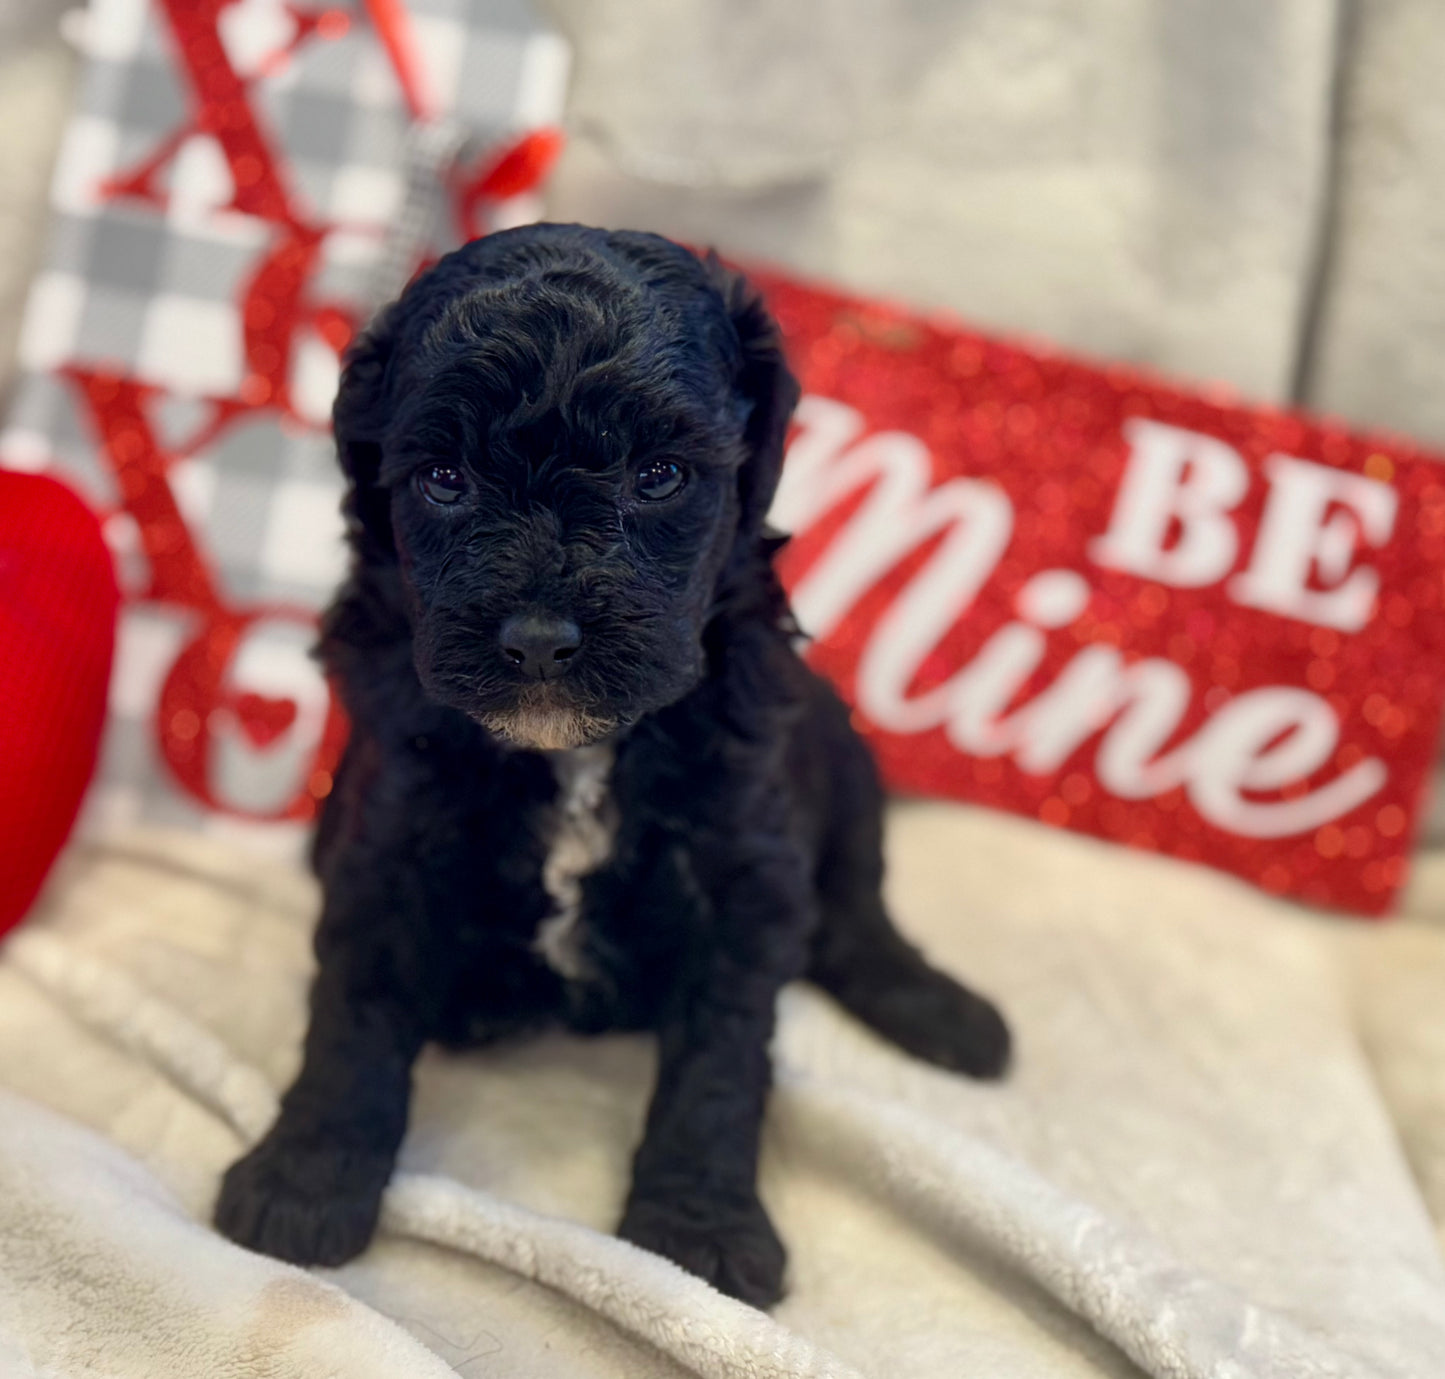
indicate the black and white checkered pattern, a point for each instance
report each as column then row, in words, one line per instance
column 156, row 294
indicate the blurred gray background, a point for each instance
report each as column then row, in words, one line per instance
column 1245, row 191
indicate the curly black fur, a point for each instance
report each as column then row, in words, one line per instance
column 548, row 367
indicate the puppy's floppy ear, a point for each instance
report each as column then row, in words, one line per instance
column 766, row 385
column 358, row 418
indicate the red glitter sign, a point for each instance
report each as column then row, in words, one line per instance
column 1080, row 594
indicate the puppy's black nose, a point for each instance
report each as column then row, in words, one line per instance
column 540, row 647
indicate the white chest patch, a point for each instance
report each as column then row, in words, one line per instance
column 583, row 831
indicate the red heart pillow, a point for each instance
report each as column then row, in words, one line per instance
column 57, row 632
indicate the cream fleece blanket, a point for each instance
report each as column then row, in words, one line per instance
column 1193, row 1172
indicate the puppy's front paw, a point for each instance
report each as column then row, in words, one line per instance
column 732, row 1246
column 309, row 1203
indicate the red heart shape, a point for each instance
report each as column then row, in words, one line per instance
column 263, row 720
column 58, row 603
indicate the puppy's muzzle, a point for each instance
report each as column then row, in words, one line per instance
column 540, row 647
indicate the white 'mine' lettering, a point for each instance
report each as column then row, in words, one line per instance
column 1258, row 742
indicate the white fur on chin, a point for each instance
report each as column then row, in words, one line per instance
column 547, row 727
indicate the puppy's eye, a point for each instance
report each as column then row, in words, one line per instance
column 441, row 483
column 658, row 479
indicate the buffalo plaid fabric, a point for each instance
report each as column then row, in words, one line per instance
column 160, row 290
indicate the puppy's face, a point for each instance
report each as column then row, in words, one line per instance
column 560, row 556
column 563, row 476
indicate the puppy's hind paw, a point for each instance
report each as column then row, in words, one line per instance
column 307, row 1204
column 733, row 1248
column 936, row 1019
column 965, row 1033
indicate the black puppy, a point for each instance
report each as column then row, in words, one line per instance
column 589, row 781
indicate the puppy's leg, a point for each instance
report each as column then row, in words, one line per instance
column 398, row 864
column 861, row 959
column 310, row 1191
column 694, row 1191
column 694, row 1195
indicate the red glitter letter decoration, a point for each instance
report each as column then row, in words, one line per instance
column 276, row 304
